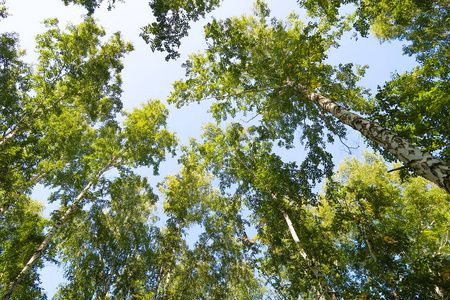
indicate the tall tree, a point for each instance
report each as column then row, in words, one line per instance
column 414, row 104
column 110, row 249
column 142, row 142
column 390, row 234
column 279, row 74
column 20, row 232
column 276, row 193
column 45, row 112
column 61, row 126
column 218, row 266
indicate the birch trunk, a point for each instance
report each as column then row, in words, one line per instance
column 43, row 246
column 169, row 273
column 421, row 162
column 326, row 290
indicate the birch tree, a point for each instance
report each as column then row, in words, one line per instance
column 218, row 265
column 46, row 111
column 392, row 233
column 276, row 193
column 142, row 142
column 110, row 249
column 19, row 234
column 278, row 74
column 61, row 126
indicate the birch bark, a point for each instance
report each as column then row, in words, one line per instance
column 418, row 160
column 326, row 290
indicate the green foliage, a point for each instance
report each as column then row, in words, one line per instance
column 147, row 138
column 14, row 83
column 20, row 231
column 390, row 236
column 416, row 106
column 3, row 10
column 91, row 5
column 108, row 250
column 46, row 112
column 218, row 266
column 172, row 23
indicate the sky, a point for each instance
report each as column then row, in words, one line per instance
column 147, row 75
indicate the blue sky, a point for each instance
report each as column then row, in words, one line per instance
column 147, row 75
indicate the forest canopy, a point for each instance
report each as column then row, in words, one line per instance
column 273, row 214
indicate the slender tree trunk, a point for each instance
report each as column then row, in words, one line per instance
column 421, row 162
column 170, row 269
column 169, row 273
column 43, row 246
column 326, row 290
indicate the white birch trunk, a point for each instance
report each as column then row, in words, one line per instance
column 420, row 161
column 326, row 290
column 43, row 246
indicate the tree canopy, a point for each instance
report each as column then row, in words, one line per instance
column 238, row 218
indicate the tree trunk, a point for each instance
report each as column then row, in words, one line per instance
column 43, row 246
column 420, row 161
column 326, row 290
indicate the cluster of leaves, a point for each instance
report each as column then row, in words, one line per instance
column 389, row 235
column 172, row 23
column 218, row 266
column 109, row 250
column 90, row 5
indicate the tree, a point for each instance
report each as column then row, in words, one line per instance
column 46, row 112
column 142, row 142
column 414, row 104
column 172, row 21
column 110, row 250
column 76, row 84
column 275, row 194
column 20, row 232
column 64, row 131
column 278, row 73
column 390, row 234
column 218, row 266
